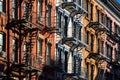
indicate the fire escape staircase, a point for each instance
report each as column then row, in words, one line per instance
column 74, row 9
column 14, row 26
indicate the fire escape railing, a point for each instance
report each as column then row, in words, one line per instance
column 73, row 8
column 73, row 43
column 98, row 27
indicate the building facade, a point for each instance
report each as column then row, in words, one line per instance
column 59, row 40
column 69, row 42
column 112, row 38
column 102, row 38
column 27, row 39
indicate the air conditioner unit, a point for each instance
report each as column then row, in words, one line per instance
column 3, row 54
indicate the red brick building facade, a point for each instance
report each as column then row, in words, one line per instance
column 27, row 39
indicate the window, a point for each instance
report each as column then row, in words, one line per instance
column 109, row 51
column 91, row 11
column 117, row 29
column 92, row 42
column 48, row 54
column 25, row 54
column 88, row 70
column 25, row 11
column 66, row 26
column 87, row 36
column 15, row 50
column 109, row 23
column 66, row 61
column 14, row 9
column 89, row 8
column 74, row 29
column 98, row 15
column 92, row 72
column 2, row 5
column 117, row 55
column 2, row 42
column 58, row 21
column 102, row 18
column 39, row 47
column 48, row 16
column 39, row 10
column 77, row 65
column 100, row 46
column 59, row 56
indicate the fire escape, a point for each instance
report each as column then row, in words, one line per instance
column 23, row 28
column 100, row 29
column 75, row 11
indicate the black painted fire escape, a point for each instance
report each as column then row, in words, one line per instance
column 23, row 28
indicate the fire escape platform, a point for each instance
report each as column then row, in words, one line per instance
column 98, row 57
column 73, row 8
column 98, row 27
column 23, row 68
column 73, row 43
column 114, row 36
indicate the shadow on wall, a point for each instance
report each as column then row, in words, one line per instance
column 49, row 72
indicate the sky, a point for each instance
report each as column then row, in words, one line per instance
column 118, row 1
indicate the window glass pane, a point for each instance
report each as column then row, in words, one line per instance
column 39, row 10
column 48, row 16
column 39, row 47
column 25, row 10
column 1, row 42
column 48, row 53
column 1, row 6
column 14, row 50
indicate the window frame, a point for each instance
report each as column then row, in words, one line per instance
column 15, row 49
column 48, row 53
column 1, row 6
column 48, row 15
column 3, row 43
column 39, row 10
column 39, row 47
column 25, row 53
